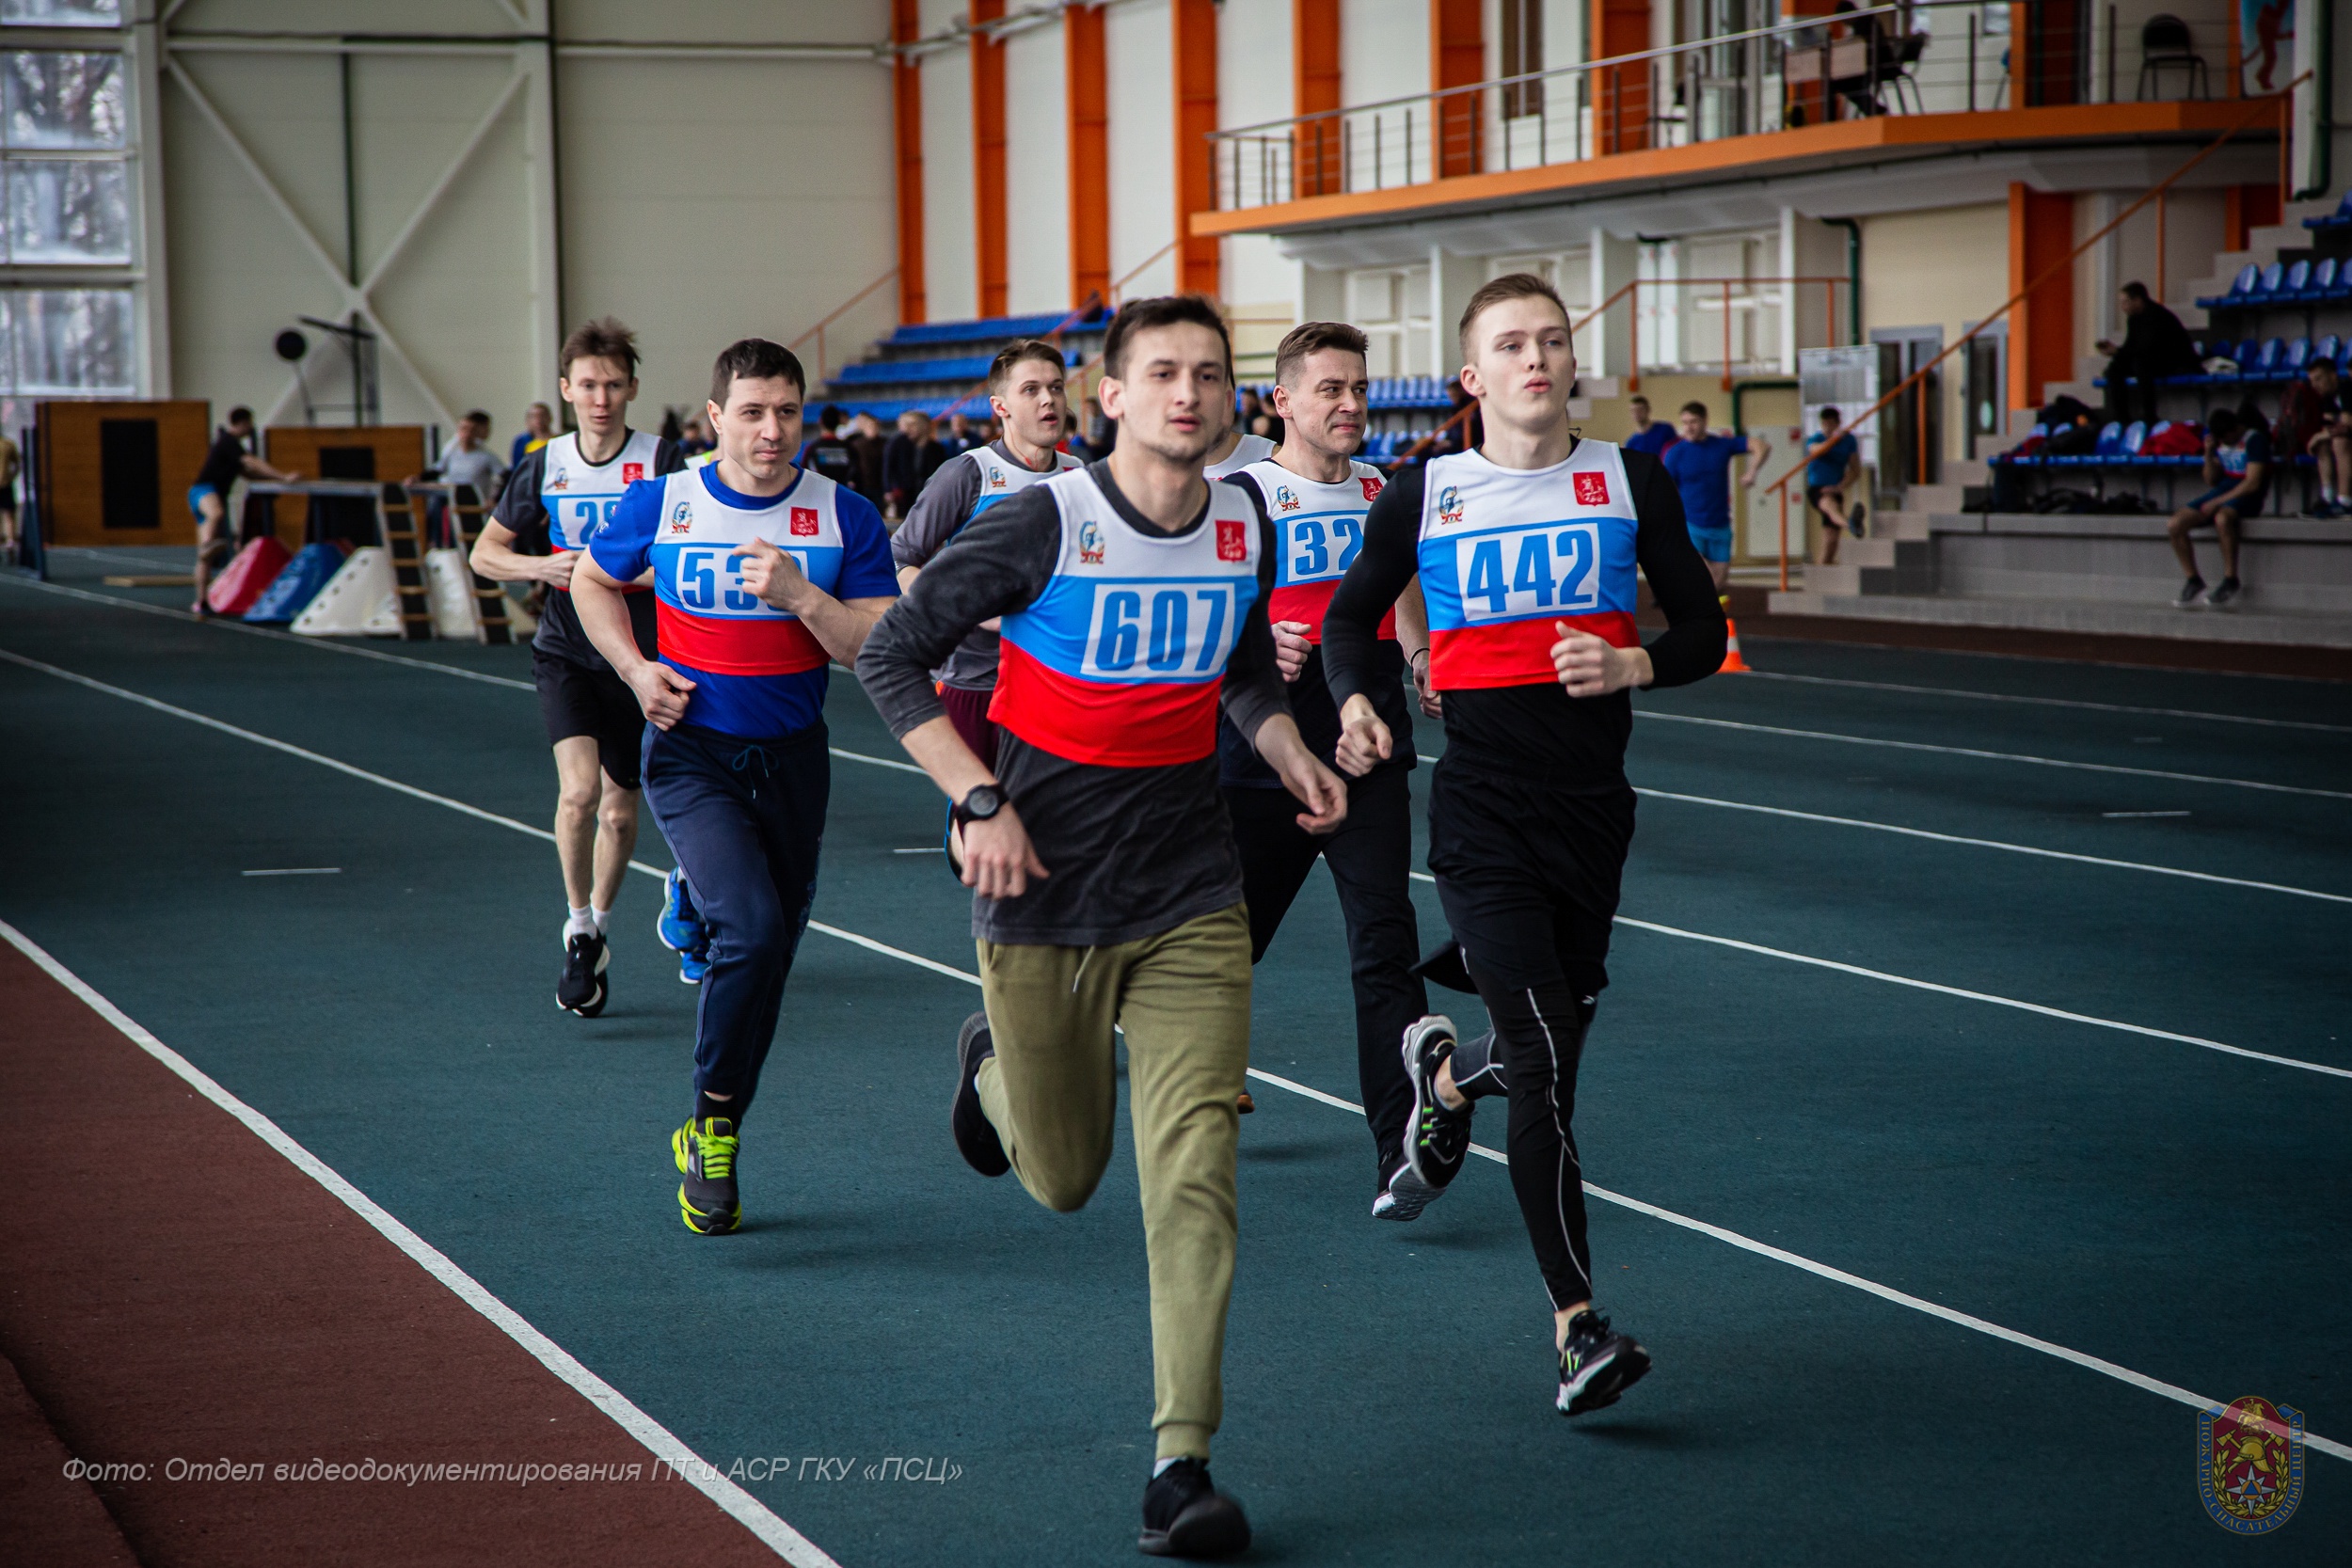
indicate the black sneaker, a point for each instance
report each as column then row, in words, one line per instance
column 1597, row 1364
column 582, row 988
column 2226, row 590
column 2191, row 591
column 708, row 1200
column 1185, row 1515
column 1857, row 516
column 976, row 1137
column 1438, row 1139
column 1404, row 1196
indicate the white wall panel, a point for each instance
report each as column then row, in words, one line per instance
column 1140, row 79
column 950, row 251
column 1253, row 86
column 1384, row 49
column 1037, row 173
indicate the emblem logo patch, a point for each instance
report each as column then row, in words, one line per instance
column 682, row 521
column 1449, row 505
column 561, row 481
column 1285, row 498
column 996, row 478
column 804, row 521
column 1371, row 488
column 1089, row 544
column 2249, row 1463
column 632, row 472
column 1592, row 489
column 1232, row 543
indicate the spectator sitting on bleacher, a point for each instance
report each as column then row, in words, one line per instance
column 1650, row 435
column 910, row 460
column 1833, row 465
column 2154, row 344
column 828, row 453
column 2311, row 419
column 2237, row 468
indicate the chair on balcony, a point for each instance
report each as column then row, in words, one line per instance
column 2164, row 45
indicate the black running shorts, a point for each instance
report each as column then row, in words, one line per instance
column 576, row 700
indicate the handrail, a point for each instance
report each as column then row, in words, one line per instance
column 1136, row 270
column 2282, row 102
column 819, row 330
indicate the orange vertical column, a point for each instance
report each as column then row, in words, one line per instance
column 1089, row 143
column 906, row 131
column 1621, row 93
column 1315, row 90
column 988, row 156
column 2042, row 337
column 1194, row 28
column 1458, row 59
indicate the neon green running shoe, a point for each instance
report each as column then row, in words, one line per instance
column 705, row 1157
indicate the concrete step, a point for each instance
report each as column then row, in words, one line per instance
column 1826, row 597
column 1946, row 497
column 1844, row 578
column 1906, row 524
column 1967, row 471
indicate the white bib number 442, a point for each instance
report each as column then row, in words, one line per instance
column 1554, row 567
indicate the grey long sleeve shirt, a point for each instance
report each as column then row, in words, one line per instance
column 1131, row 852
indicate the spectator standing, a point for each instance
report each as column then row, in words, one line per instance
column 910, row 460
column 2155, row 346
column 865, row 448
column 960, row 437
column 2237, row 474
column 1100, row 434
column 1650, row 435
column 829, row 453
column 1833, row 465
column 1700, row 463
column 226, row 462
column 538, row 429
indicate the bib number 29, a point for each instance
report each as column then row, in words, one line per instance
column 1140, row 633
column 1523, row 573
column 589, row 517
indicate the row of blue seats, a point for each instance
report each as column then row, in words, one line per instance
column 2307, row 282
column 2340, row 218
column 2120, row 446
column 2275, row 363
column 967, row 371
column 994, row 328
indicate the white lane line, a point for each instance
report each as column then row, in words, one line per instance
column 754, row 1516
column 1992, row 756
column 1982, row 1325
column 2004, row 847
column 876, row 762
column 2058, row 702
column 296, row 871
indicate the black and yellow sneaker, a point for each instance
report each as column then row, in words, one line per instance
column 1436, row 1140
column 1185, row 1515
column 706, row 1151
column 1597, row 1364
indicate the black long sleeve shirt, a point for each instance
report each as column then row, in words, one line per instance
column 1132, row 851
column 1574, row 743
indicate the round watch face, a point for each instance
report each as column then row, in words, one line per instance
column 983, row 802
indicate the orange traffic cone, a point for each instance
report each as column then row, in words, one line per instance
column 1733, row 664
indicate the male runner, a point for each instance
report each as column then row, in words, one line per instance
column 1317, row 498
column 1107, row 891
column 226, row 463
column 1025, row 392
column 1700, row 466
column 1234, row 449
column 1526, row 549
column 560, row 496
column 763, row 574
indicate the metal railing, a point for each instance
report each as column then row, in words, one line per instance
column 1753, row 318
column 832, row 315
column 1877, row 60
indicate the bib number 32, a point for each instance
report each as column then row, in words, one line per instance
column 1514, row 575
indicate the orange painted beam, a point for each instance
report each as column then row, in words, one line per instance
column 906, row 134
column 1090, row 146
column 1916, row 134
column 1458, row 59
column 988, row 157
column 1621, row 95
column 1193, row 26
column 1316, row 89
column 2041, row 328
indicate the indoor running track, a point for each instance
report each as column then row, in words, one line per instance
column 1968, row 1108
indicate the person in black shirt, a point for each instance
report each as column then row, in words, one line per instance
column 830, row 454
column 909, row 460
column 1526, row 550
column 2155, row 346
column 2237, row 472
column 226, row 462
column 559, row 496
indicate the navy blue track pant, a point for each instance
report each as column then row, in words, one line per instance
column 745, row 819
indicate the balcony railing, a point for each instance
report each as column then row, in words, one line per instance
column 1931, row 56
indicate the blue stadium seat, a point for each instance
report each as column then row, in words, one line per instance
column 2266, row 363
column 2329, row 348
column 2297, row 356
column 2340, row 218
column 2137, row 437
column 2267, row 290
column 2248, row 277
column 2318, row 281
column 992, row 328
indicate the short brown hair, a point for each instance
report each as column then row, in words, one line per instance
column 1161, row 310
column 754, row 359
column 1698, row 408
column 1313, row 337
column 1000, row 368
column 603, row 339
column 1514, row 285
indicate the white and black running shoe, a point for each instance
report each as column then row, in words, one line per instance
column 582, row 989
column 2223, row 592
column 1185, row 1515
column 2191, row 591
column 975, row 1136
column 1438, row 1139
column 1404, row 1196
column 1597, row 1364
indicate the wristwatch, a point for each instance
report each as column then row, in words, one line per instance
column 984, row 802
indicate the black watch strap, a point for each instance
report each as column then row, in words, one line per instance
column 982, row 802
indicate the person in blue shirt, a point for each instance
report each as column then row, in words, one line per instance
column 1650, row 435
column 1833, row 465
column 764, row 576
column 1701, row 467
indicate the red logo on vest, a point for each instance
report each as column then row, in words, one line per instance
column 1592, row 489
column 1232, row 543
column 1371, row 488
column 632, row 472
column 803, row 521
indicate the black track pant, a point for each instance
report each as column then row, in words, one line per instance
column 1371, row 856
column 1528, row 876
